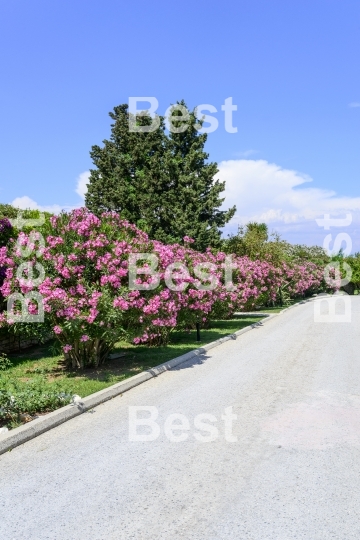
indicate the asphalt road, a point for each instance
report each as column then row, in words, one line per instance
column 293, row 472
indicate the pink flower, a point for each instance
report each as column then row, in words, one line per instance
column 188, row 240
column 121, row 303
column 67, row 348
column 89, row 282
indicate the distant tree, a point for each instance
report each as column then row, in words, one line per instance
column 251, row 240
column 8, row 211
column 351, row 274
column 301, row 252
column 254, row 241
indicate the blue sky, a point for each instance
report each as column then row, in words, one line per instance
column 292, row 68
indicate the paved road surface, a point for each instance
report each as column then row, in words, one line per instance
column 294, row 471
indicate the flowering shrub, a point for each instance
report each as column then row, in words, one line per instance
column 85, row 262
column 89, row 304
column 5, row 231
column 5, row 234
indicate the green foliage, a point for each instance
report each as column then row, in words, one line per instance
column 194, row 197
column 253, row 240
column 8, row 211
column 11, row 212
column 18, row 400
column 129, row 177
column 314, row 254
column 39, row 331
column 163, row 184
column 354, row 262
column 5, row 363
column 284, row 296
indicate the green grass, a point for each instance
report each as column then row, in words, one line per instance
column 277, row 309
column 37, row 368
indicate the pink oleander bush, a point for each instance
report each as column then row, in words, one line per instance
column 85, row 262
column 86, row 296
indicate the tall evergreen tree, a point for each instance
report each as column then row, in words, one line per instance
column 161, row 183
column 195, row 194
column 130, row 172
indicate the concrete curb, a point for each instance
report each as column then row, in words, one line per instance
column 312, row 299
column 44, row 423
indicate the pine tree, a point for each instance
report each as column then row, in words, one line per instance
column 130, row 174
column 195, row 196
column 161, row 183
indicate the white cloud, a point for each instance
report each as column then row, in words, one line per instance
column 283, row 199
column 25, row 203
column 266, row 192
column 81, row 184
column 354, row 104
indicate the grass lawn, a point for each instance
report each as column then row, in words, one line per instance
column 35, row 372
column 277, row 309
